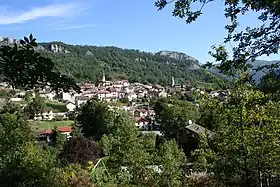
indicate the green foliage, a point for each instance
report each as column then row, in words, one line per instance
column 174, row 115
column 95, row 119
column 57, row 107
column 203, row 157
column 28, row 96
column 14, row 131
column 75, row 176
column 12, row 108
column 36, row 106
column 23, row 163
column 23, row 67
column 76, row 130
column 5, row 94
column 172, row 159
column 59, row 140
column 125, row 148
column 245, row 145
column 119, row 63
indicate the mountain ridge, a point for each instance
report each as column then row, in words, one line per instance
column 86, row 63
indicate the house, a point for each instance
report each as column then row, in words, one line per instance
column 162, row 94
column 79, row 100
column 103, row 94
column 114, row 92
column 47, row 135
column 65, row 131
column 197, row 129
column 125, row 83
column 132, row 96
column 46, row 114
column 70, row 106
column 140, row 113
column 16, row 99
column 158, row 88
column 48, row 95
column 141, row 123
column 121, row 95
column 66, row 96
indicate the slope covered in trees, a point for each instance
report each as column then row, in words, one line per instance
column 86, row 63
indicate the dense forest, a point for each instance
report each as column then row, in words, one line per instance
column 86, row 63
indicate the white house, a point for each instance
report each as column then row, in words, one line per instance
column 70, row 106
column 67, row 97
column 47, row 114
column 16, row 99
column 132, row 96
column 162, row 94
column 103, row 94
column 79, row 100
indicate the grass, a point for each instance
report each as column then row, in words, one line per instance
column 45, row 125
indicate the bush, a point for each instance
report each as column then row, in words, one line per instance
column 58, row 118
column 81, row 150
column 58, row 107
column 201, row 179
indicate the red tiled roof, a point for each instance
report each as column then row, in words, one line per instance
column 141, row 110
column 64, row 129
column 60, row 129
column 138, row 120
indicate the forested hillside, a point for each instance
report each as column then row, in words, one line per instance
column 86, row 63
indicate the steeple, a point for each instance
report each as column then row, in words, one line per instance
column 173, row 82
column 103, row 77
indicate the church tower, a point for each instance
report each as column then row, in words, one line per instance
column 103, row 77
column 173, row 82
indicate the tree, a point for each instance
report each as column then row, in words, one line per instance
column 81, row 150
column 95, row 119
column 36, row 106
column 125, row 148
column 23, row 163
column 23, row 67
column 244, row 148
column 14, row 131
column 59, row 140
column 174, row 116
column 172, row 159
column 28, row 96
column 76, row 130
column 250, row 43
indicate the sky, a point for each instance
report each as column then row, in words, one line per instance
column 132, row 24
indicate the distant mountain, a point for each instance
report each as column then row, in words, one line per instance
column 86, row 63
column 257, row 63
column 180, row 56
column 8, row 41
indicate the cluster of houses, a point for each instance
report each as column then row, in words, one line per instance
column 115, row 91
column 112, row 91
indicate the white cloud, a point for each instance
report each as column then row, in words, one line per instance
column 76, row 27
column 55, row 10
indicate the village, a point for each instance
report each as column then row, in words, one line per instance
column 120, row 94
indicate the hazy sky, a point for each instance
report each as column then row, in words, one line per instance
column 123, row 23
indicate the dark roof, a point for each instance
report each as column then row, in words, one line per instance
column 199, row 129
column 83, row 98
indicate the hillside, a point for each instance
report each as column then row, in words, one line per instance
column 257, row 75
column 86, row 63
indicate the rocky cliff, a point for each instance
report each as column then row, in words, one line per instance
column 179, row 56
